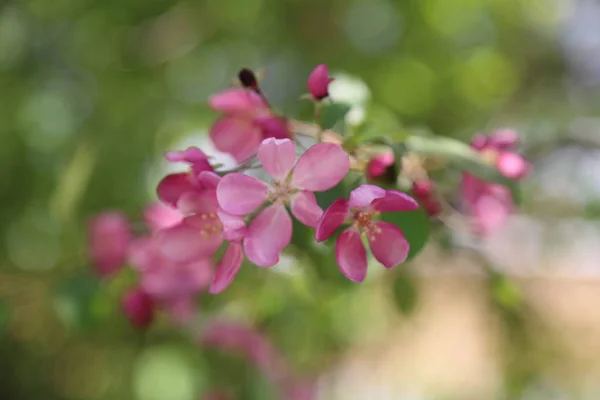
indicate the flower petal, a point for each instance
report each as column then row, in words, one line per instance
column 273, row 127
column 512, row 165
column 237, row 136
column 388, row 244
column 267, row 235
column 351, row 255
column 172, row 187
column 277, row 156
column 492, row 209
column 305, row 208
column 234, row 226
column 364, row 195
column 228, row 268
column 193, row 238
column 504, row 139
column 321, row 167
column 236, row 100
column 108, row 240
column 204, row 202
column 159, row 216
column 191, row 155
column 394, row 201
column 208, row 179
column 331, row 220
column 240, row 194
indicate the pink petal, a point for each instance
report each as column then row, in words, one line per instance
column 193, row 238
column 234, row 226
column 277, row 157
column 321, row 167
column 471, row 188
column 379, row 164
column 504, row 139
column 142, row 253
column 208, row 179
column 273, row 127
column 172, row 187
column 159, row 216
column 351, row 255
column 236, row 100
column 198, row 202
column 138, row 307
column 512, row 165
column 364, row 195
column 228, row 268
column 190, row 155
column 318, row 82
column 388, row 244
column 331, row 220
column 108, row 240
column 305, row 208
column 267, row 235
column 480, row 141
column 491, row 210
column 240, row 194
column 237, row 136
column 395, row 201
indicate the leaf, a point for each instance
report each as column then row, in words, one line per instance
column 457, row 153
column 75, row 298
column 416, row 226
column 505, row 292
column 405, row 293
column 332, row 114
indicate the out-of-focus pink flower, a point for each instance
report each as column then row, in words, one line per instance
column 108, row 239
column 490, row 204
column 255, row 347
column 172, row 186
column 318, row 82
column 381, row 167
column 138, row 306
column 320, row 168
column 159, row 216
column 247, row 120
column 386, row 240
column 170, row 283
column 424, row 191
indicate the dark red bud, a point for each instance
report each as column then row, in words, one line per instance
column 248, row 79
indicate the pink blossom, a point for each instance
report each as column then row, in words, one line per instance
column 172, row 284
column 173, row 186
column 386, row 240
column 247, row 120
column 108, row 239
column 490, row 204
column 159, row 216
column 318, row 82
column 423, row 190
column 380, row 165
column 320, row 168
column 138, row 306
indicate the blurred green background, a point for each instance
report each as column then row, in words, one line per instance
column 93, row 93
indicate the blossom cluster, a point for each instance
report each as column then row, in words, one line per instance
column 208, row 221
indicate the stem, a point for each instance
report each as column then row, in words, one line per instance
column 318, row 115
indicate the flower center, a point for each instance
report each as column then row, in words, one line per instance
column 363, row 221
column 280, row 192
column 210, row 225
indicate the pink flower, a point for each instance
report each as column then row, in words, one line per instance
column 386, row 240
column 320, row 168
column 246, row 121
column 489, row 203
column 159, row 216
column 424, row 191
column 381, row 166
column 171, row 188
column 318, row 82
column 138, row 307
column 171, row 284
column 108, row 239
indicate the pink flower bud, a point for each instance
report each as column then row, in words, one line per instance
column 318, row 82
column 138, row 307
column 381, row 166
column 108, row 241
column 423, row 190
column 512, row 165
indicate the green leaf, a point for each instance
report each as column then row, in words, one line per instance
column 457, row 153
column 416, row 226
column 332, row 114
column 505, row 292
column 405, row 293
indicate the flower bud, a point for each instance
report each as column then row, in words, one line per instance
column 138, row 307
column 318, row 82
column 248, row 79
column 512, row 165
column 423, row 190
column 108, row 241
column 382, row 168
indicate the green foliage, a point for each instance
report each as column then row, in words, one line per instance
column 332, row 114
column 415, row 225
